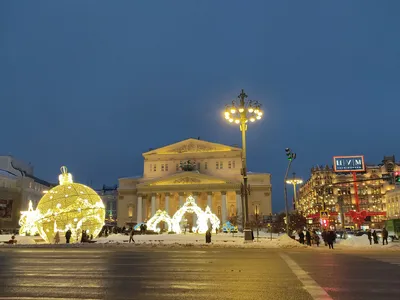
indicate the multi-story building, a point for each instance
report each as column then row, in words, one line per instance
column 210, row 172
column 393, row 204
column 336, row 193
column 109, row 195
column 18, row 186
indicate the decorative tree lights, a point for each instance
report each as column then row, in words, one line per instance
column 160, row 216
column 69, row 206
column 241, row 113
column 28, row 221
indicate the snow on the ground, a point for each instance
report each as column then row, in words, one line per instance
column 362, row 242
column 221, row 240
column 23, row 240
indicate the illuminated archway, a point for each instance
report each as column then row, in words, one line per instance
column 209, row 216
column 190, row 206
column 159, row 216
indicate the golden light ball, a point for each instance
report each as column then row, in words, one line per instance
column 70, row 206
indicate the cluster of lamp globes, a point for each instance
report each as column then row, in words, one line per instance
column 250, row 113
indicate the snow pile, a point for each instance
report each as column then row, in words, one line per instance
column 23, row 240
column 284, row 241
column 362, row 242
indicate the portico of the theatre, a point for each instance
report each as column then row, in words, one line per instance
column 214, row 180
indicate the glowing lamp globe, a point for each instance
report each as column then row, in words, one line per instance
column 70, row 206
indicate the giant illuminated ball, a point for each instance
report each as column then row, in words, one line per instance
column 70, row 206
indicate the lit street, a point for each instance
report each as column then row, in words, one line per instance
column 197, row 273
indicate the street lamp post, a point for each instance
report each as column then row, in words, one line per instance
column 240, row 114
column 290, row 156
column 295, row 181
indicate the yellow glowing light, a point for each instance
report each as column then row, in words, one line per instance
column 237, row 121
column 256, row 111
column 28, row 221
column 258, row 117
column 227, row 117
column 252, row 119
column 231, row 120
column 260, row 113
column 251, row 109
column 241, row 109
column 233, row 110
column 160, row 216
column 80, row 209
column 227, row 114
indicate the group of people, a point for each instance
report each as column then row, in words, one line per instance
column 374, row 236
column 311, row 237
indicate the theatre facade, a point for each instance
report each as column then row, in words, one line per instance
column 210, row 172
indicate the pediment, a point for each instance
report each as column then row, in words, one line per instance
column 186, row 178
column 192, row 146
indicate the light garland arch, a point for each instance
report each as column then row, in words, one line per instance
column 158, row 217
column 209, row 216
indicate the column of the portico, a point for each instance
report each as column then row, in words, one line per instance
column 209, row 200
column 167, row 202
column 181, row 202
column 223, row 207
column 139, row 212
column 153, row 205
column 238, row 204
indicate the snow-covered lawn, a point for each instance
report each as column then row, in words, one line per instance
column 223, row 240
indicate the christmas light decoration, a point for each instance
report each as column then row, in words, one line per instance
column 159, row 216
column 70, row 206
column 190, row 206
column 28, row 221
column 212, row 218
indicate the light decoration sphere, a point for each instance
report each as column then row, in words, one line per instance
column 71, row 206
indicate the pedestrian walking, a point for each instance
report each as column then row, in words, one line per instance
column 316, row 238
column 369, row 237
column 330, row 238
column 375, row 237
column 308, row 237
column 385, row 234
column 301, row 236
column 68, row 235
column 131, row 236
column 208, row 236
column 57, row 238
column 325, row 237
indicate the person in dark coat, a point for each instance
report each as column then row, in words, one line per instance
column 369, row 237
column 208, row 236
column 325, row 237
column 301, row 236
column 308, row 237
column 330, row 238
column 385, row 234
column 375, row 237
column 131, row 236
column 68, row 235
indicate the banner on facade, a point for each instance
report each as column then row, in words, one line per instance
column 6, row 209
column 344, row 164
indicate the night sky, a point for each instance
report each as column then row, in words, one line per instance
column 93, row 84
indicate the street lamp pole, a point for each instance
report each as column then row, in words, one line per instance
column 240, row 114
column 290, row 156
column 295, row 181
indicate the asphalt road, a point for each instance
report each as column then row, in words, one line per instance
column 188, row 273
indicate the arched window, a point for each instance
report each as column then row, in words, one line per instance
column 130, row 211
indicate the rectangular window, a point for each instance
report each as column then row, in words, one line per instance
column 166, row 167
column 233, row 164
column 229, row 165
column 198, row 166
column 205, row 165
column 151, row 167
column 221, row 166
column 154, row 167
column 217, row 165
column 162, row 167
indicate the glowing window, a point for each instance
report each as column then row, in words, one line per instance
column 130, row 211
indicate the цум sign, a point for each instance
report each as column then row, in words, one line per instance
column 343, row 164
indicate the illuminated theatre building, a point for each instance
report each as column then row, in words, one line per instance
column 209, row 172
column 328, row 190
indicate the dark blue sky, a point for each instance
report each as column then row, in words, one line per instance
column 92, row 85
